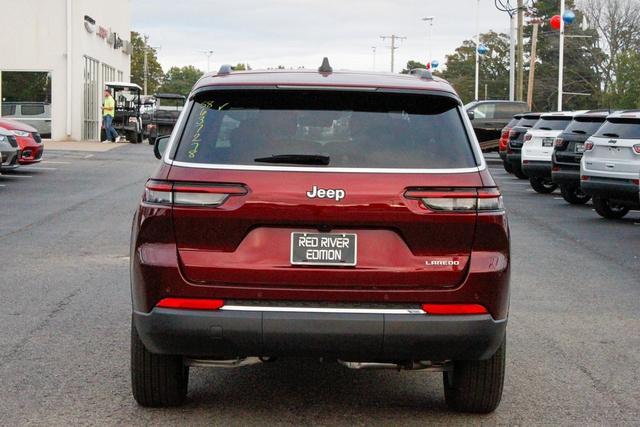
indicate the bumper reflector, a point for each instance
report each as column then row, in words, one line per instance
column 191, row 303
column 453, row 309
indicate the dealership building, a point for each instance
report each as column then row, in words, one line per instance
column 55, row 59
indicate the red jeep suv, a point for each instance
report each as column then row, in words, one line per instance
column 347, row 216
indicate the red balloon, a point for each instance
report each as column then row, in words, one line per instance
column 555, row 22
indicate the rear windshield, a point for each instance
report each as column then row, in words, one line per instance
column 620, row 128
column 584, row 126
column 512, row 123
column 552, row 123
column 527, row 122
column 330, row 129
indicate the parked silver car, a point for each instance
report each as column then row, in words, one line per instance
column 610, row 167
column 8, row 150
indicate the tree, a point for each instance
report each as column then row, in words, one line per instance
column 241, row 67
column 180, row 79
column 582, row 62
column 411, row 65
column 154, row 74
column 625, row 89
column 494, row 67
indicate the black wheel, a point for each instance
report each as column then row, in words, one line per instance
column 542, row 185
column 608, row 209
column 156, row 379
column 574, row 195
column 517, row 171
column 476, row 385
column 507, row 166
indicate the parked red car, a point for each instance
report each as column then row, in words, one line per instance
column 29, row 141
column 342, row 215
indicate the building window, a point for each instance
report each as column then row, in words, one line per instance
column 108, row 73
column 120, row 76
column 91, row 106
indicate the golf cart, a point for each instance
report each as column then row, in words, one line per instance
column 127, row 121
column 167, row 110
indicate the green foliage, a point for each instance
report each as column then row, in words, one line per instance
column 241, row 67
column 180, row 79
column 155, row 73
column 26, row 86
column 411, row 65
column 494, row 68
column 625, row 90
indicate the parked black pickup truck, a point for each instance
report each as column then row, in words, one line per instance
column 490, row 117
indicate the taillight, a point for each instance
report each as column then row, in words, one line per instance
column 185, row 194
column 190, row 303
column 636, row 148
column 559, row 142
column 459, row 200
column 454, row 309
column 588, row 146
column 527, row 137
column 513, row 134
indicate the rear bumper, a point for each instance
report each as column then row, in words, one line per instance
column 514, row 157
column 537, row 169
column 566, row 175
column 351, row 336
column 622, row 190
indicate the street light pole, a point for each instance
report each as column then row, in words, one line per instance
column 512, row 57
column 561, row 59
column 430, row 20
column 374, row 57
column 477, row 50
column 208, row 53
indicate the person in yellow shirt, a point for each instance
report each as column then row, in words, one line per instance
column 108, row 112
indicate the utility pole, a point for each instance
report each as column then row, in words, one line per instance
column 477, row 51
column 520, row 90
column 512, row 56
column 393, row 46
column 532, row 64
column 561, row 59
column 430, row 20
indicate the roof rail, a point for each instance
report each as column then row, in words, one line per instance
column 422, row 73
column 225, row 69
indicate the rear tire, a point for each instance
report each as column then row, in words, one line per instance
column 156, row 379
column 574, row 195
column 517, row 171
column 542, row 185
column 476, row 385
column 507, row 166
column 609, row 210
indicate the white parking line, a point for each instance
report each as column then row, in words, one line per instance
column 18, row 176
column 35, row 168
column 56, row 162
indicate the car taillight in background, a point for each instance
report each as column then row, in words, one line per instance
column 513, row 134
column 636, row 148
column 588, row 146
column 527, row 137
column 459, row 200
column 185, row 194
column 559, row 142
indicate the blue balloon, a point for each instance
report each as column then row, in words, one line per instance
column 568, row 17
column 482, row 49
column 434, row 64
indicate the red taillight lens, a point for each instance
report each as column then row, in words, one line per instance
column 454, row 309
column 527, row 137
column 513, row 134
column 559, row 142
column 459, row 200
column 636, row 148
column 584, row 178
column 588, row 146
column 185, row 194
column 191, row 303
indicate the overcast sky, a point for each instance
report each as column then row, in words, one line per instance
column 296, row 33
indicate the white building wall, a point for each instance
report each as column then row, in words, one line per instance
column 38, row 42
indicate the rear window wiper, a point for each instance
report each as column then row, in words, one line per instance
column 544, row 128
column 611, row 135
column 581, row 132
column 298, row 159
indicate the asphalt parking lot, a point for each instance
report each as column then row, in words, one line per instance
column 573, row 337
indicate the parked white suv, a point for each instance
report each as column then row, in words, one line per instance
column 537, row 149
column 610, row 167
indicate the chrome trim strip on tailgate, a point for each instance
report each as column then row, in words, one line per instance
column 323, row 310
